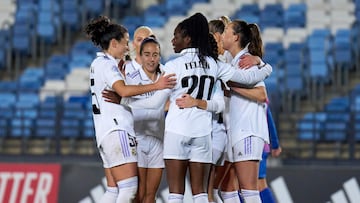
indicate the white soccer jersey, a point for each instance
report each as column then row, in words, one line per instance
column 146, row 121
column 195, row 79
column 107, row 116
column 247, row 117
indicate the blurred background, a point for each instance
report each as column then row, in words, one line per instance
column 314, row 90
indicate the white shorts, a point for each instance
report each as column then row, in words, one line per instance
column 150, row 152
column 249, row 148
column 194, row 149
column 219, row 142
column 118, row 148
column 228, row 151
column 218, row 157
column 219, row 137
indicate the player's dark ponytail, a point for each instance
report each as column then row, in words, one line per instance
column 196, row 27
column 256, row 45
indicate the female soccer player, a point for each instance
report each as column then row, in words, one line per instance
column 187, row 140
column 149, row 123
column 248, row 127
column 113, row 122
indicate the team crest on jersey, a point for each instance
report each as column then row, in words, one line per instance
column 133, row 152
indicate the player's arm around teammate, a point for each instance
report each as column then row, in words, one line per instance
column 119, row 159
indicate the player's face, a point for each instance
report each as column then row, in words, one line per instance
column 139, row 36
column 228, row 37
column 122, row 47
column 150, row 57
column 178, row 42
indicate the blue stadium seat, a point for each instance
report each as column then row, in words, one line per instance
column 356, row 131
column 342, row 47
column 70, row 16
column 47, row 32
column 176, row 7
column 7, row 112
column 157, row 9
column 272, row 16
column 28, row 99
column 21, row 127
column 45, row 127
column 335, row 131
column 7, row 99
column 311, row 126
column 70, row 128
column 21, row 38
column 49, row 5
column 318, row 68
column 5, row 41
column 30, row 85
column 339, row 105
column 253, row 9
column 121, row 2
column 131, row 23
column 56, row 67
column 83, row 47
column 3, row 127
column 8, row 86
column 25, row 110
column 309, row 130
column 83, row 100
column 88, row 128
column 295, row 16
column 49, row 113
column 2, row 58
column 154, row 20
column 93, row 7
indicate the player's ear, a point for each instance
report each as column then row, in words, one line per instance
column 113, row 43
column 187, row 40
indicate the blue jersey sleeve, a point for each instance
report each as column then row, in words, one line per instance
column 274, row 139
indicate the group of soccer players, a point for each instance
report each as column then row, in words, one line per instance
column 216, row 111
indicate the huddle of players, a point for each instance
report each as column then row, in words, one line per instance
column 212, row 127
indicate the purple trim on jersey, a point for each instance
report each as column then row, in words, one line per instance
column 134, row 74
column 124, row 144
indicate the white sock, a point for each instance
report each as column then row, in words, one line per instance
column 175, row 198
column 217, row 197
column 127, row 190
column 201, row 198
column 110, row 195
column 251, row 196
column 230, row 197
